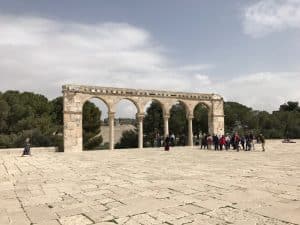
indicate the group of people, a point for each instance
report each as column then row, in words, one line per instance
column 237, row 142
column 226, row 142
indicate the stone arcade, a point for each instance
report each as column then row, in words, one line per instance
column 76, row 95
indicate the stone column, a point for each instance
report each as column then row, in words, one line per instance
column 218, row 124
column 111, row 117
column 140, row 118
column 166, row 125
column 190, row 124
column 217, row 115
column 72, row 123
column 210, row 122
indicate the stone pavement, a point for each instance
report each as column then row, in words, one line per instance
column 133, row 187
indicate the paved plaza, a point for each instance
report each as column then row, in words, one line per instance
column 133, row 187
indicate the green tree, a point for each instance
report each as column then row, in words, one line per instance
column 200, row 121
column 153, row 122
column 238, row 118
column 57, row 111
column 91, row 126
column 4, row 112
column 178, row 123
column 129, row 139
column 290, row 106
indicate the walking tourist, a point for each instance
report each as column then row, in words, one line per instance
column 236, row 142
column 204, row 141
column 248, row 143
column 172, row 139
column 26, row 150
column 167, row 143
column 222, row 142
column 209, row 141
column 251, row 136
column 227, row 139
column 262, row 140
column 216, row 142
column 243, row 140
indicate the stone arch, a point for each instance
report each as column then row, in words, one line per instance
column 74, row 96
column 147, row 100
column 103, row 107
column 186, row 106
column 134, row 101
column 179, row 129
column 87, row 98
column 197, row 121
column 206, row 104
column 155, row 131
column 96, row 97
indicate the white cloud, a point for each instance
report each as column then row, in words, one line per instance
column 262, row 91
column 196, row 67
column 266, row 16
column 41, row 55
column 203, row 79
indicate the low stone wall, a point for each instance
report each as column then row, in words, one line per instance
column 32, row 149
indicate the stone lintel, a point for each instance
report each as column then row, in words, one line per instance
column 96, row 90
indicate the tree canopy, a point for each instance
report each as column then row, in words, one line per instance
column 26, row 114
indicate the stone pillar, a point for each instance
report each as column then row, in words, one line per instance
column 166, row 125
column 140, row 118
column 218, row 124
column 217, row 116
column 210, row 122
column 111, row 118
column 72, row 123
column 190, row 127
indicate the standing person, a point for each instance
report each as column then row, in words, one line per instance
column 209, row 141
column 251, row 137
column 262, row 141
column 243, row 140
column 173, row 139
column 216, row 142
column 248, row 143
column 204, row 141
column 237, row 141
column 232, row 141
column 222, row 142
column 227, row 139
column 167, row 143
column 26, row 150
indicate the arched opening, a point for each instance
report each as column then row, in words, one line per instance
column 153, row 124
column 200, row 122
column 125, row 129
column 178, row 125
column 94, row 125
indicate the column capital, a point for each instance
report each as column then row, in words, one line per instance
column 111, row 114
column 190, row 116
column 140, row 116
column 166, row 116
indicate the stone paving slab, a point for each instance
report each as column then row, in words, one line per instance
column 151, row 186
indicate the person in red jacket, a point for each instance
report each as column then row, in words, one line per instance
column 237, row 141
column 222, row 142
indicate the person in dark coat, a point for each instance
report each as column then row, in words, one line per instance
column 167, row 143
column 262, row 141
column 216, row 142
column 26, row 150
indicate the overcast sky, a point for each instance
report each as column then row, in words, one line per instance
column 247, row 50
